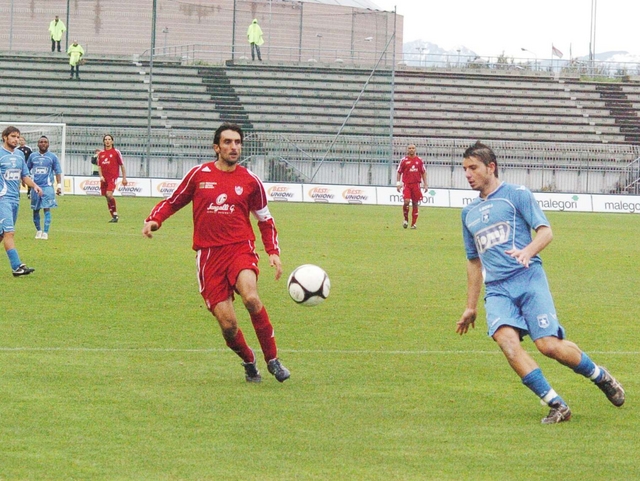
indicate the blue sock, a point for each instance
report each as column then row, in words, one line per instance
column 536, row 381
column 14, row 259
column 47, row 220
column 36, row 219
column 588, row 368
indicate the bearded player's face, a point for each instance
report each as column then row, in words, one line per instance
column 230, row 147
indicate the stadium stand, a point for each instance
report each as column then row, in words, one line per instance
column 293, row 113
column 320, row 99
column 111, row 92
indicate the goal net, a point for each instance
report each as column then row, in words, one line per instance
column 55, row 132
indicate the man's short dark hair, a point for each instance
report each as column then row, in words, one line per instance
column 9, row 130
column 227, row 126
column 483, row 153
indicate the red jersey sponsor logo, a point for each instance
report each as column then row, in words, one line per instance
column 220, row 206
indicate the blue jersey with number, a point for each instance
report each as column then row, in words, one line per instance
column 12, row 169
column 43, row 167
column 501, row 221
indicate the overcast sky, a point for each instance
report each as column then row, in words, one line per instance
column 490, row 27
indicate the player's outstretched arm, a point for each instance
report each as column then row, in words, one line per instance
column 150, row 227
column 274, row 261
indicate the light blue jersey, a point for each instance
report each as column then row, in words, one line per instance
column 43, row 167
column 12, row 169
column 501, row 221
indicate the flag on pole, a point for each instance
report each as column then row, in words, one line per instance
column 556, row 52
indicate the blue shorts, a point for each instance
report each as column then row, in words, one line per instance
column 523, row 302
column 47, row 201
column 8, row 216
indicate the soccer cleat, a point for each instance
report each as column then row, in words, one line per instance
column 39, row 234
column 414, row 227
column 558, row 413
column 44, row 236
column 114, row 220
column 611, row 388
column 405, row 224
column 22, row 270
column 251, row 373
column 276, row 368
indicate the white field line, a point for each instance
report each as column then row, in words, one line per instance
column 300, row 351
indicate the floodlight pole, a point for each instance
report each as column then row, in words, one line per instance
column 233, row 33
column 151, row 53
column 393, row 88
column 11, row 27
column 592, row 36
column 66, row 38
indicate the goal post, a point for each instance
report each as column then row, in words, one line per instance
column 56, row 133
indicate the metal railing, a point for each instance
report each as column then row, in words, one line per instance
column 200, row 53
column 367, row 160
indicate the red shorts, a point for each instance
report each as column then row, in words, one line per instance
column 108, row 186
column 218, row 269
column 413, row 192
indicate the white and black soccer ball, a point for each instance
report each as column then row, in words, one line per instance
column 308, row 285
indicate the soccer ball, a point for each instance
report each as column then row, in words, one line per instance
column 308, row 285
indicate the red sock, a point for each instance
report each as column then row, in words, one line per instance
column 241, row 348
column 405, row 212
column 111, row 203
column 264, row 332
column 414, row 215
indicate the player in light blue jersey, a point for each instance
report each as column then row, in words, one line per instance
column 13, row 170
column 43, row 165
column 501, row 250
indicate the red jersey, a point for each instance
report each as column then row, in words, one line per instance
column 110, row 161
column 222, row 202
column 411, row 170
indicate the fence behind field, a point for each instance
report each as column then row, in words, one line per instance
column 367, row 160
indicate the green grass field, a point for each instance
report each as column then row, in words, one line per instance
column 112, row 369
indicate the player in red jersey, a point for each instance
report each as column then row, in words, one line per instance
column 223, row 195
column 109, row 164
column 411, row 179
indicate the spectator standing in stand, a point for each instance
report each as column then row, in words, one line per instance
column 254, row 35
column 56, row 29
column 75, row 53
